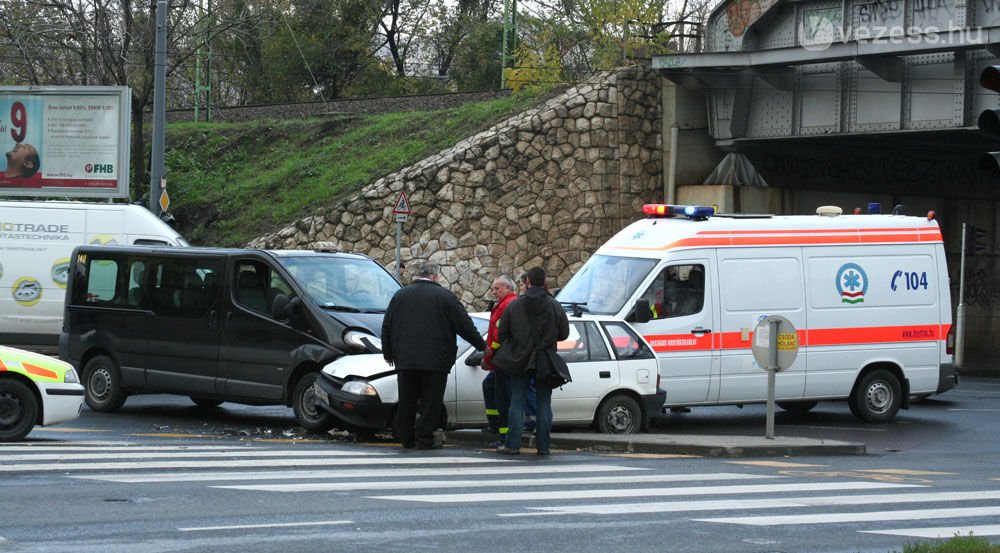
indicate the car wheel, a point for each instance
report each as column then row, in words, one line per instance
column 310, row 417
column 797, row 407
column 618, row 414
column 877, row 397
column 206, row 403
column 18, row 410
column 103, row 385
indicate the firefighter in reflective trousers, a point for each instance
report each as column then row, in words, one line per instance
column 496, row 388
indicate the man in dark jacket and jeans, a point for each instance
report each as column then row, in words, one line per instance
column 418, row 339
column 533, row 321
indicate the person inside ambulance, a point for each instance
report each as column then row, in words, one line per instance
column 692, row 294
column 671, row 296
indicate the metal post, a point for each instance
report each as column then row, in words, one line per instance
column 399, row 240
column 159, row 107
column 503, row 45
column 772, row 367
column 668, row 198
column 959, row 357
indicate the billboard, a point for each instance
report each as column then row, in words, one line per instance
column 67, row 141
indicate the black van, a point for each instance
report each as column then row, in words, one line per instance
column 247, row 326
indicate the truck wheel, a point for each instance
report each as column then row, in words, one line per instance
column 310, row 417
column 796, row 407
column 18, row 410
column 103, row 384
column 206, row 403
column 877, row 397
column 618, row 414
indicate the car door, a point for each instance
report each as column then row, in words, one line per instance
column 593, row 371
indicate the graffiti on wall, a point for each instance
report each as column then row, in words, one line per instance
column 862, row 169
column 981, row 288
column 879, row 12
column 742, row 13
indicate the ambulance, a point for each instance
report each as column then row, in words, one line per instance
column 868, row 296
column 35, row 390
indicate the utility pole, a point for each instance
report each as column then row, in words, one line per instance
column 158, row 193
column 509, row 45
column 204, row 53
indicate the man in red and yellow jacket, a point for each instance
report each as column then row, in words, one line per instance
column 496, row 386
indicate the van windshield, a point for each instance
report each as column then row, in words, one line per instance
column 343, row 283
column 605, row 283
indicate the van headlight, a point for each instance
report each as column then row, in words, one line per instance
column 360, row 388
column 363, row 340
column 71, row 377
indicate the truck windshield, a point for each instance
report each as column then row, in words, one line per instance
column 343, row 283
column 605, row 283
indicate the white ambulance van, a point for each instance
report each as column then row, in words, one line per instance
column 36, row 240
column 868, row 295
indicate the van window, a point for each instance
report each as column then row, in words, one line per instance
column 343, row 283
column 102, row 278
column 677, row 291
column 183, row 288
column 108, row 281
column 605, row 282
column 256, row 286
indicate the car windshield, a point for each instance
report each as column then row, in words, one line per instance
column 342, row 283
column 605, row 283
column 481, row 325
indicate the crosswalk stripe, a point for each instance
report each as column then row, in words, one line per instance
column 871, row 516
column 505, row 483
column 237, row 463
column 186, row 454
column 68, row 448
column 641, row 492
column 406, row 472
column 771, row 503
column 941, row 532
column 272, row 525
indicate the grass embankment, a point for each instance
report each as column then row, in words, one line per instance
column 958, row 544
column 231, row 182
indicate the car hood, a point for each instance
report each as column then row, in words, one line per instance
column 372, row 322
column 365, row 365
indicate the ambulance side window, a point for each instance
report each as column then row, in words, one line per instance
column 678, row 290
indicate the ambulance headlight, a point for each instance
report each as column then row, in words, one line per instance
column 363, row 340
column 360, row 388
column 71, row 377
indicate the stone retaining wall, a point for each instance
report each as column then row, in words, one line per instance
column 545, row 187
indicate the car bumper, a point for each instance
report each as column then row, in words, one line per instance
column 355, row 410
column 947, row 378
column 60, row 402
column 653, row 403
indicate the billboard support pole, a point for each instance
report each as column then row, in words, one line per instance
column 159, row 109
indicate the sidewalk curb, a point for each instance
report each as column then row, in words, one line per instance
column 706, row 446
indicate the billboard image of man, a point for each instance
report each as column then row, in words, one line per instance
column 22, row 161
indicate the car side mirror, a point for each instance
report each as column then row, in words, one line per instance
column 641, row 311
column 474, row 359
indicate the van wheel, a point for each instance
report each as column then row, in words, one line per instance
column 103, row 384
column 619, row 414
column 310, row 417
column 206, row 403
column 877, row 397
column 796, row 407
column 18, row 410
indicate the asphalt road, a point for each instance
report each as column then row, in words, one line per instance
column 164, row 476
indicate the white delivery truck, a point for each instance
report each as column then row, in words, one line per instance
column 868, row 295
column 36, row 239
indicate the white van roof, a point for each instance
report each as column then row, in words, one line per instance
column 654, row 236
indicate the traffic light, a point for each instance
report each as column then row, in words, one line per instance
column 975, row 240
column 989, row 119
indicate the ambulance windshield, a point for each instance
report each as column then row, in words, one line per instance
column 606, row 282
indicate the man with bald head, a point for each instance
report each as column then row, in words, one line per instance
column 22, row 161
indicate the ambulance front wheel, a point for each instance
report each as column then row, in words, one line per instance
column 877, row 397
column 18, row 410
column 103, row 383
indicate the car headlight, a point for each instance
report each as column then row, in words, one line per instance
column 359, row 387
column 71, row 377
column 363, row 340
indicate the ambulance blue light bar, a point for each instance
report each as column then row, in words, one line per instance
column 666, row 211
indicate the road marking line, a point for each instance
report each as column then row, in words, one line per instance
column 187, row 454
column 513, row 482
column 246, row 463
column 906, row 472
column 737, row 504
column 643, row 492
column 873, row 516
column 651, row 455
column 173, row 435
column 66, row 429
column 941, row 532
column 69, row 447
column 851, row 428
column 352, row 473
column 773, row 464
column 277, row 525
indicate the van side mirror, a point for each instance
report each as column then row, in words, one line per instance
column 474, row 359
column 641, row 311
column 284, row 309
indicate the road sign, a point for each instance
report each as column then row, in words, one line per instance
column 401, row 217
column 402, row 205
column 775, row 346
column 164, row 200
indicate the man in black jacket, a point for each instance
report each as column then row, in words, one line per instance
column 533, row 321
column 418, row 339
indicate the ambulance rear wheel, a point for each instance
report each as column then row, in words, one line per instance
column 877, row 397
column 308, row 415
column 18, row 410
column 103, row 385
column 619, row 414
column 796, row 407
